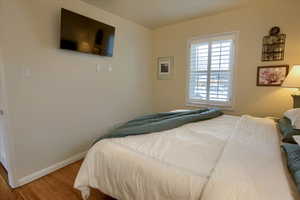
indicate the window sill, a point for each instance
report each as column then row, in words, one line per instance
column 200, row 105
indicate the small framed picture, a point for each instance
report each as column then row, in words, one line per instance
column 271, row 75
column 165, row 65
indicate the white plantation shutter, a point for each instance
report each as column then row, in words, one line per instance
column 211, row 70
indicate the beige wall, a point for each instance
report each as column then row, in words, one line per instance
column 253, row 21
column 2, row 133
column 64, row 105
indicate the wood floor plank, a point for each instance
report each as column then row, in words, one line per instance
column 6, row 193
column 3, row 173
column 55, row 186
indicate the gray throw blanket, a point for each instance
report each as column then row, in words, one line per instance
column 161, row 122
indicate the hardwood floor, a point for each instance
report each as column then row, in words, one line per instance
column 55, row 186
column 3, row 173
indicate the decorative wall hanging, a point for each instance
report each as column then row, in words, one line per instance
column 271, row 75
column 165, row 65
column 274, row 45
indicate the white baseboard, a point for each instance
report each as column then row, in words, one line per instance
column 50, row 169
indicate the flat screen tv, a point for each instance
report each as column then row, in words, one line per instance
column 80, row 33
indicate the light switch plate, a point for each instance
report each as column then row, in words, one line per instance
column 110, row 68
column 98, row 68
column 26, row 72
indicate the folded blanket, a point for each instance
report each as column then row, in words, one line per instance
column 161, row 122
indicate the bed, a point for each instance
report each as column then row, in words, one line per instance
column 225, row 158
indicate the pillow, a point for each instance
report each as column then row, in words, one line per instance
column 294, row 116
column 297, row 139
column 287, row 130
column 293, row 159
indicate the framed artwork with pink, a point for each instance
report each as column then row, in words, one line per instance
column 271, row 75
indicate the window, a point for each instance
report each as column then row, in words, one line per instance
column 210, row 74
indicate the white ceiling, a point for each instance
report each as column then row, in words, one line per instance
column 157, row 13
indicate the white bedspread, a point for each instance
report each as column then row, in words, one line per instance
column 226, row 158
column 173, row 164
column 251, row 166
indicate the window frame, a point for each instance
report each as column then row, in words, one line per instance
column 209, row 38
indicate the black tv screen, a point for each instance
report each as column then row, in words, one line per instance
column 80, row 33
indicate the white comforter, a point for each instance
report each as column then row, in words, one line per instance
column 190, row 162
column 251, row 166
